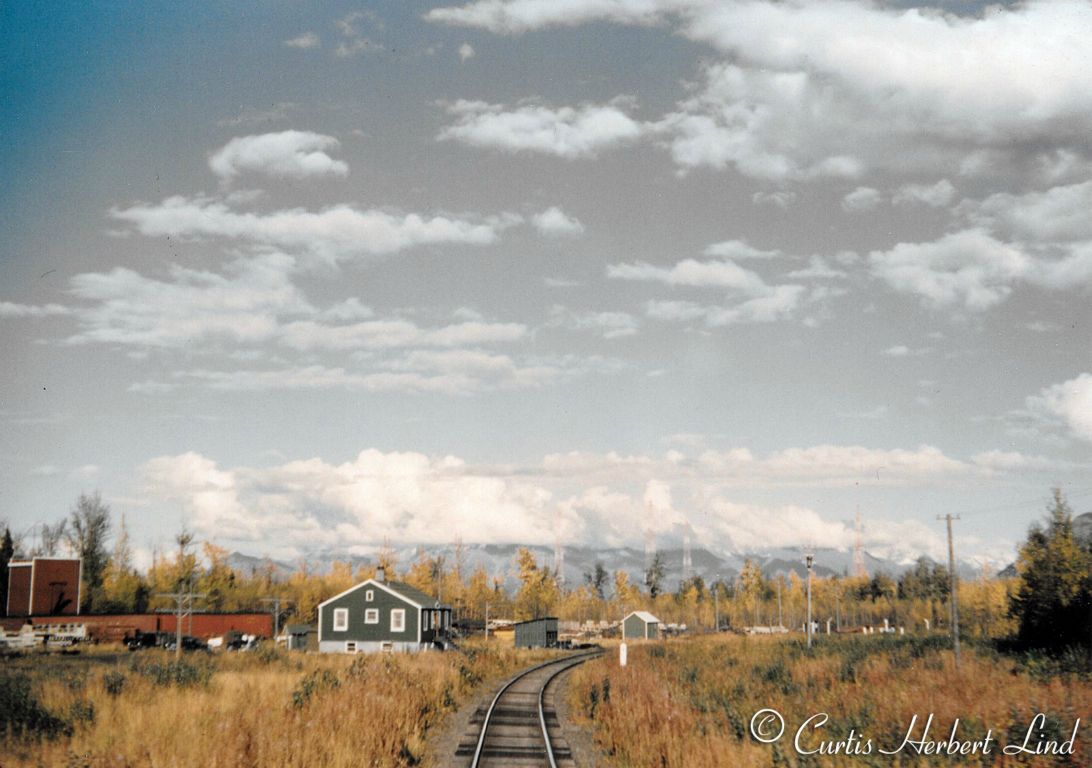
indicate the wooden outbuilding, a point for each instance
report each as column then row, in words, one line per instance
column 640, row 625
column 536, row 633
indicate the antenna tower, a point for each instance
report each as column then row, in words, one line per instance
column 858, row 549
column 687, row 563
column 559, row 550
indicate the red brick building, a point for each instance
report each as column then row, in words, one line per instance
column 44, row 586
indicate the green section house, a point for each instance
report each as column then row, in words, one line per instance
column 378, row 615
column 640, row 625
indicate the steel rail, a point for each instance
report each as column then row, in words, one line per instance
column 474, row 763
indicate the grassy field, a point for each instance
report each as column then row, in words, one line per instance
column 689, row 703
column 271, row 709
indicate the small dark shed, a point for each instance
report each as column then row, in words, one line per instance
column 301, row 637
column 536, row 633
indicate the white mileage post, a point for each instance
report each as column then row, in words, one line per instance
column 622, row 655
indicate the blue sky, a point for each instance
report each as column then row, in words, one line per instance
column 311, row 278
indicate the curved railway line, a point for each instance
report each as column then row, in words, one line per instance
column 520, row 726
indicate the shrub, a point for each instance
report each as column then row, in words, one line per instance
column 114, row 682
column 20, row 712
column 180, row 674
column 317, row 682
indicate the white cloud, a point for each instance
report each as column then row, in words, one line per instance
column 691, row 272
column 86, row 472
column 466, row 52
column 304, row 41
column 611, row 325
column 10, row 309
column 287, row 154
column 862, row 199
column 901, row 350
column 738, row 249
column 517, row 16
column 752, row 300
column 969, row 269
column 393, row 333
column 332, row 234
column 780, row 198
column 567, row 132
column 555, row 222
column 347, row 49
column 244, row 305
column 403, row 497
column 936, row 195
column 412, row 498
column 811, row 89
column 838, row 465
column 1058, row 214
column 1070, row 402
column 817, row 269
column 354, row 42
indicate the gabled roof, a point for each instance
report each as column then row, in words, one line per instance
column 411, row 595
column 414, row 595
column 644, row 616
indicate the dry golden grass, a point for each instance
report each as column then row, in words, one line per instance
column 255, row 709
column 688, row 703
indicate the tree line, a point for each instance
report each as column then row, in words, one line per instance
column 1048, row 603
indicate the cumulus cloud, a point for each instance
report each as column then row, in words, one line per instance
column 466, row 52
column 1069, row 402
column 305, row 41
column 738, row 249
column 862, row 199
column 287, row 154
column 968, row 269
column 566, row 132
column 395, row 332
column 412, row 498
column 752, row 300
column 813, row 89
column 401, row 497
column 554, row 222
column 332, row 234
column 610, row 325
column 13, row 310
column 936, row 195
column 244, row 305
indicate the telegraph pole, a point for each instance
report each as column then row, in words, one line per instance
column 276, row 602
column 953, row 600
column 716, row 604
column 810, row 559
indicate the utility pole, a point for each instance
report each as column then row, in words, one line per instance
column 487, row 621
column 810, row 558
column 716, row 604
column 953, row 599
column 780, row 621
column 276, row 602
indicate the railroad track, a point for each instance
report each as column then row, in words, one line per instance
column 520, row 726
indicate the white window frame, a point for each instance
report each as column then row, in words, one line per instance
column 369, row 595
column 400, row 625
column 371, row 615
column 341, row 620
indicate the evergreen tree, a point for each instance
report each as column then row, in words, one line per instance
column 7, row 552
column 654, row 576
column 1053, row 602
